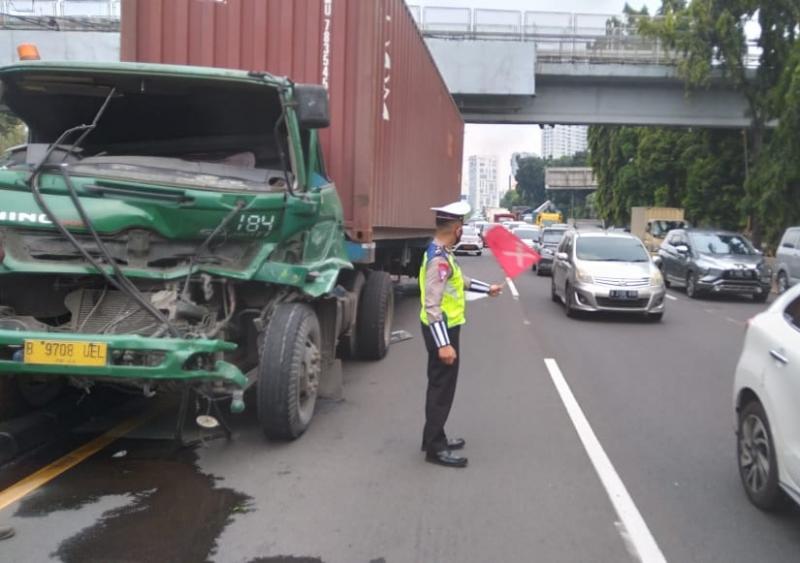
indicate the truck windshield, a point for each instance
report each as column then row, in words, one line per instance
column 721, row 244
column 611, row 249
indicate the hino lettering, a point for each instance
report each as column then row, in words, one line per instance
column 22, row 217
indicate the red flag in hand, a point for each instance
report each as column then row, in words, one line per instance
column 511, row 253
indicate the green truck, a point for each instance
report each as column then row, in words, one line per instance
column 172, row 228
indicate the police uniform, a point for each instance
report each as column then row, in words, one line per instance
column 443, row 312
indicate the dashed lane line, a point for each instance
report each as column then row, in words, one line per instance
column 512, row 288
column 635, row 531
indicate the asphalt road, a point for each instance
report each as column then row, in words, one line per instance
column 355, row 488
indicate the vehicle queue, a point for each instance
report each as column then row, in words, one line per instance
column 594, row 269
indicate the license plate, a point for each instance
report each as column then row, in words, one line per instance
column 623, row 294
column 65, row 353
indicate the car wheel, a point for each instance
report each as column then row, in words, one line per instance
column 569, row 310
column 691, row 286
column 539, row 271
column 479, row 253
column 553, row 295
column 783, row 282
column 758, row 467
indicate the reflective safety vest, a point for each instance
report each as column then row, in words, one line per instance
column 453, row 300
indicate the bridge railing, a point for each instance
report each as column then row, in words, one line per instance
column 61, row 8
column 559, row 36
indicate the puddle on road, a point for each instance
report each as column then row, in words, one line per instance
column 176, row 512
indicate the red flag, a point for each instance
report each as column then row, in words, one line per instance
column 511, row 253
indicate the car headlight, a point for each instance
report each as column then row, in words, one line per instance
column 713, row 272
column 548, row 251
column 656, row 279
column 583, row 276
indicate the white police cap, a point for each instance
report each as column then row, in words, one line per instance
column 455, row 210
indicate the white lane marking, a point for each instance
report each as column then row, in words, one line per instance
column 671, row 297
column 735, row 321
column 636, row 532
column 512, row 288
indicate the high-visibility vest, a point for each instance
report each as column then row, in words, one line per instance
column 453, row 301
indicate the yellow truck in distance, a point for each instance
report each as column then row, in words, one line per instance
column 651, row 224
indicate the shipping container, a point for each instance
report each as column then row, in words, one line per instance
column 395, row 143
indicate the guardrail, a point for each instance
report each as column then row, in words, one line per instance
column 559, row 36
column 61, row 8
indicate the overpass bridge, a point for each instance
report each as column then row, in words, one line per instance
column 501, row 66
column 507, row 66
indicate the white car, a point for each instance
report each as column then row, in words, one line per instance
column 767, row 403
column 470, row 242
column 531, row 236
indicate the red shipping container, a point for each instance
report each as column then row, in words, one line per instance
column 396, row 137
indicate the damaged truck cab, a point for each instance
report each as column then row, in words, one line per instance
column 173, row 228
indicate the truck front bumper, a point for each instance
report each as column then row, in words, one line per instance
column 130, row 358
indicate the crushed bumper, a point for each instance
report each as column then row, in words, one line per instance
column 174, row 358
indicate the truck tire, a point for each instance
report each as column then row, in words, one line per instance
column 375, row 316
column 289, row 372
column 348, row 343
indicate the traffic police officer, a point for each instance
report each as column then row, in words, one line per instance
column 442, row 289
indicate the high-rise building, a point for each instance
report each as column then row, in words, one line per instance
column 564, row 140
column 483, row 190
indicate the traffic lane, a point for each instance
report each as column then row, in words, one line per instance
column 734, row 309
column 659, row 398
column 355, row 486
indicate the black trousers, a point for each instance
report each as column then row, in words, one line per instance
column 441, row 390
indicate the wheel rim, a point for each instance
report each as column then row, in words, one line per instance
column 754, row 454
column 783, row 283
column 308, row 384
column 567, row 298
column 389, row 316
column 690, row 288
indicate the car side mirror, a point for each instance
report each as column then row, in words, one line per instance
column 562, row 256
column 311, row 106
column 682, row 249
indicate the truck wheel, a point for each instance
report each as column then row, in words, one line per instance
column 289, row 372
column 375, row 316
column 348, row 343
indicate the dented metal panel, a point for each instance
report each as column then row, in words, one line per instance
column 395, row 142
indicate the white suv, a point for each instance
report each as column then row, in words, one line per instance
column 787, row 260
column 767, row 403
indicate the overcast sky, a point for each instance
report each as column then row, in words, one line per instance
column 504, row 140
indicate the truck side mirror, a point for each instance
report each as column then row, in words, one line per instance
column 311, row 106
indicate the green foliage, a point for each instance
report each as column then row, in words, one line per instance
column 530, row 189
column 510, row 199
column 707, row 171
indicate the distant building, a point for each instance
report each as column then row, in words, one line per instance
column 483, row 189
column 564, row 140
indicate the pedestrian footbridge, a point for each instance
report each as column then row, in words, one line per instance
column 501, row 66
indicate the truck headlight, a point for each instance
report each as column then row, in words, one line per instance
column 583, row 276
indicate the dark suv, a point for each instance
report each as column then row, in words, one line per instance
column 718, row 262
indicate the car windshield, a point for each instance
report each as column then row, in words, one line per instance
column 470, row 231
column 721, row 244
column 611, row 249
column 529, row 234
column 553, row 236
column 661, row 227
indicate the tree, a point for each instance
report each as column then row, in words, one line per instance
column 510, row 199
column 530, row 181
column 12, row 131
column 710, row 39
